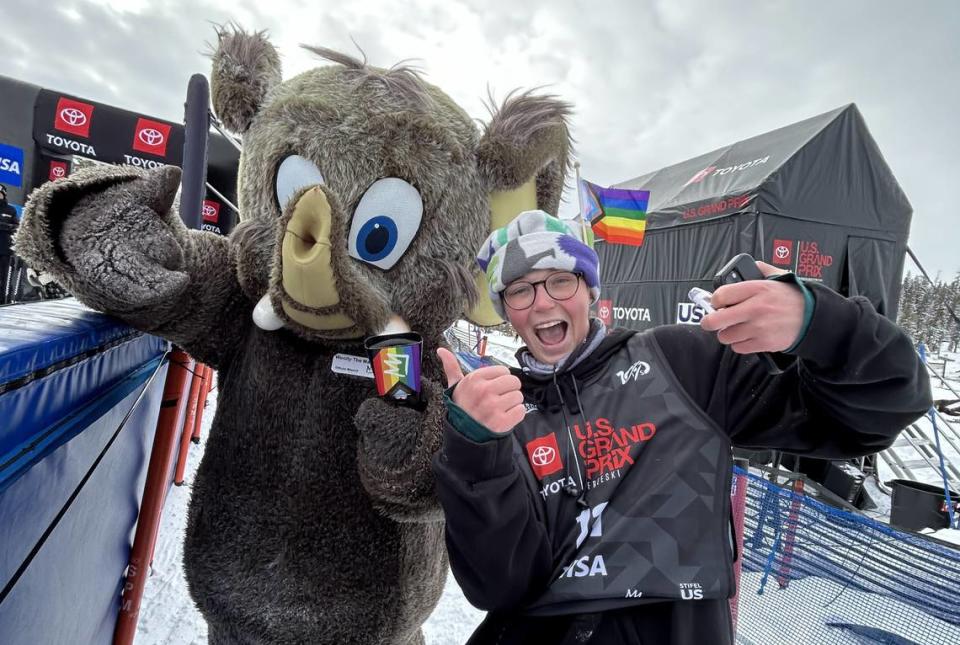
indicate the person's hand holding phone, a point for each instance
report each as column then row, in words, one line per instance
column 757, row 315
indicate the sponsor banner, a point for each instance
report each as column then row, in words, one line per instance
column 11, row 165
column 644, row 305
column 807, row 258
column 66, row 126
column 69, row 125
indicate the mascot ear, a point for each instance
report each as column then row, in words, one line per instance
column 523, row 157
column 245, row 68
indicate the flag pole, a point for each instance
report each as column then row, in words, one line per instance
column 583, row 221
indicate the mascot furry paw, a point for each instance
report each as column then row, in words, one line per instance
column 364, row 194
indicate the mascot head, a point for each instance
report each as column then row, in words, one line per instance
column 365, row 193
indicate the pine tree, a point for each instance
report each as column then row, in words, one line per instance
column 906, row 317
column 954, row 326
column 926, row 315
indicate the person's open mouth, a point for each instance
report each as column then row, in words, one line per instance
column 551, row 333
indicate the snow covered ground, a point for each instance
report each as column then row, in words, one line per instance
column 918, row 449
column 802, row 613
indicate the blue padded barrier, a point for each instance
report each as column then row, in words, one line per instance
column 77, row 418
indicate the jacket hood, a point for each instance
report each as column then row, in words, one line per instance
column 551, row 391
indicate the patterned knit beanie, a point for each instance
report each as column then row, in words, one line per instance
column 535, row 240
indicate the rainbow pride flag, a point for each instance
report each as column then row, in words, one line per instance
column 397, row 365
column 617, row 215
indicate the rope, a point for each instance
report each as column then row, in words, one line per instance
column 184, row 366
column 943, row 468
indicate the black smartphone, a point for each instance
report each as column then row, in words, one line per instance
column 740, row 268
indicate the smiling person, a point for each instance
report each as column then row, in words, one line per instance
column 587, row 495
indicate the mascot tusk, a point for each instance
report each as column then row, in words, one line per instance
column 395, row 325
column 265, row 317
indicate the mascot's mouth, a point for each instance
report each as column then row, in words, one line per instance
column 265, row 317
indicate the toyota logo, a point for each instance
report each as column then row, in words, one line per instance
column 209, row 211
column 58, row 171
column 543, row 456
column 73, row 117
column 782, row 252
column 150, row 136
column 604, row 312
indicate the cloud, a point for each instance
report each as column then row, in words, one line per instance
column 653, row 83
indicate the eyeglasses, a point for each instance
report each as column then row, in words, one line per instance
column 562, row 285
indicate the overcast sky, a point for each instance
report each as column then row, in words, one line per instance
column 653, row 83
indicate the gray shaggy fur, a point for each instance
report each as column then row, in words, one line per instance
column 313, row 517
column 528, row 136
column 245, row 68
column 402, row 80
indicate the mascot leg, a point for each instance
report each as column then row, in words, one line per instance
column 223, row 634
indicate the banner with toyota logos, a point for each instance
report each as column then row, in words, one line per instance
column 642, row 306
column 66, row 126
column 69, row 125
column 816, row 198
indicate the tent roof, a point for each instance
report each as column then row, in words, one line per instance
column 824, row 169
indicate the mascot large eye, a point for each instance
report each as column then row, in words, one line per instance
column 385, row 222
column 293, row 175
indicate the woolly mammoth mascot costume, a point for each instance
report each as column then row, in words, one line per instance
column 364, row 194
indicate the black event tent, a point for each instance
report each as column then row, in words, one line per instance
column 815, row 197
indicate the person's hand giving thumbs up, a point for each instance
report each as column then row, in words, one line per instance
column 490, row 395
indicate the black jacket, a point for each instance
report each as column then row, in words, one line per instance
column 606, row 511
column 8, row 218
